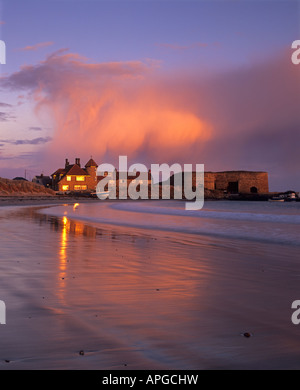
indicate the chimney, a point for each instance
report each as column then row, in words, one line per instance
column 67, row 163
column 77, row 161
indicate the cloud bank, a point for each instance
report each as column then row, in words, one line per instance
column 244, row 119
column 107, row 108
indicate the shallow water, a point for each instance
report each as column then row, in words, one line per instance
column 259, row 221
column 145, row 285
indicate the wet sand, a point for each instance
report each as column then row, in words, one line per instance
column 142, row 299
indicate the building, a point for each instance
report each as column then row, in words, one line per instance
column 42, row 180
column 233, row 182
column 75, row 178
column 237, row 182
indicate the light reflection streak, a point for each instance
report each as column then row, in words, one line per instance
column 63, row 258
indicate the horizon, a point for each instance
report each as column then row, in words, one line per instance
column 162, row 82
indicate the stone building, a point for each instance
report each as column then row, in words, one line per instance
column 232, row 182
column 237, row 182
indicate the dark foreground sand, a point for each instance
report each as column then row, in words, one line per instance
column 141, row 299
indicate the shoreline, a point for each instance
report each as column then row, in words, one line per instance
column 20, row 200
column 44, row 200
column 29, row 198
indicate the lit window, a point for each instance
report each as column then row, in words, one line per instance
column 84, row 188
column 80, row 178
column 65, row 188
column 69, row 178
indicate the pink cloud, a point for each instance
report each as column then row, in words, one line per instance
column 37, row 46
column 108, row 108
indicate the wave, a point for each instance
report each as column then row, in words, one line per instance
column 266, row 227
column 225, row 215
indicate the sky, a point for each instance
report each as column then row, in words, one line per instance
column 170, row 81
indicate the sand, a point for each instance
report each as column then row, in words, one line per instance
column 141, row 299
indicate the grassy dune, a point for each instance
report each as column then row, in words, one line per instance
column 21, row 187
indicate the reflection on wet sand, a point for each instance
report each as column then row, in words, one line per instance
column 63, row 258
column 68, row 227
column 118, row 257
column 150, row 299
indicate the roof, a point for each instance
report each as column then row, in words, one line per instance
column 60, row 171
column 77, row 171
column 20, row 178
column 91, row 163
column 42, row 179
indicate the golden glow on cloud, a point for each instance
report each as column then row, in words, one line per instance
column 118, row 107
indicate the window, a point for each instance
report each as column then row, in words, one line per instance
column 65, row 188
column 80, row 178
column 69, row 178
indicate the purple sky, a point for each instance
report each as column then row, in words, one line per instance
column 161, row 81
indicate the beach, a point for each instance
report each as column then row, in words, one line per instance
column 144, row 285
